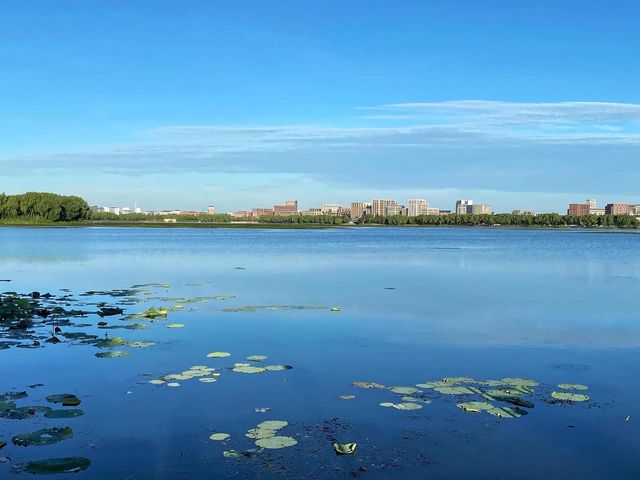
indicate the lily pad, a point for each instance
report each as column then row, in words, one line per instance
column 570, row 397
column 345, row 396
column 520, row 382
column 45, row 436
column 273, row 424
column 277, row 442
column 113, row 354
column 140, row 344
column 345, row 448
column 257, row 358
column 475, row 407
column 231, row 454
column 208, row 380
column 66, row 399
column 404, row 390
column 506, row 412
column 175, row 325
column 218, row 354
column 248, row 369
column 157, row 381
column 173, row 384
column 219, row 437
column 64, row 413
column 573, row 386
column 57, row 465
column 453, row 390
column 368, row 385
column 258, row 433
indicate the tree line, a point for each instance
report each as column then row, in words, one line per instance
column 502, row 219
column 43, row 207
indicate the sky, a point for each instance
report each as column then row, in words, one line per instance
column 240, row 104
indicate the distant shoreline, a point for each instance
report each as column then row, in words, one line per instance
column 297, row 226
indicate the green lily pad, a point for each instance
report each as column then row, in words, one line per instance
column 248, row 369
column 258, row 433
column 45, row 436
column 257, row 358
column 573, row 386
column 506, row 412
column 218, row 354
column 208, row 380
column 335, row 309
column 368, row 385
column 277, row 442
column 64, row 413
column 153, row 313
column 57, row 465
column 569, row 397
column 22, row 413
column 453, row 390
column 110, row 342
column 113, row 354
column 175, row 325
column 404, row 390
column 157, row 381
column 219, row 437
column 345, row 448
column 273, row 424
column 173, row 384
column 475, row 407
column 402, row 406
column 66, row 399
column 345, row 396
column 520, row 382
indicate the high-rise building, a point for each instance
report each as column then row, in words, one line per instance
column 481, row 209
column 617, row 209
column 211, row 210
column 357, row 210
column 464, row 206
column 418, row 207
column 378, row 206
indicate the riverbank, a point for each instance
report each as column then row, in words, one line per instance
column 301, row 226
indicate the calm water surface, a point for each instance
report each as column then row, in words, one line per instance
column 415, row 305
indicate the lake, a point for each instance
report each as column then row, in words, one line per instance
column 388, row 306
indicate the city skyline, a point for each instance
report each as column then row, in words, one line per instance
column 248, row 103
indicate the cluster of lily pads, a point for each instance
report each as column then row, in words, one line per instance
column 44, row 436
column 492, row 394
column 266, row 435
column 207, row 374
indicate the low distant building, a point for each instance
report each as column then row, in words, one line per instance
column 169, row 220
column 481, row 209
column 522, row 212
column 241, row 214
column 330, row 208
column 261, row 212
column 617, row 209
column 290, row 207
column 464, row 206
column 312, row 212
column 394, row 209
column 596, row 211
column 578, row 209
column 433, row 211
column 211, row 210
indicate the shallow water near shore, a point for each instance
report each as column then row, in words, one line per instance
column 394, row 306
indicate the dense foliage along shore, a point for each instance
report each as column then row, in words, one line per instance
column 507, row 219
column 34, row 208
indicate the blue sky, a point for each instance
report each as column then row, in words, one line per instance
column 246, row 103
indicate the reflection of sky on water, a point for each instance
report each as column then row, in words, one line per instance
column 554, row 306
column 453, row 286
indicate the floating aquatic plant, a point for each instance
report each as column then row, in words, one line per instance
column 276, row 442
column 219, row 437
column 218, row 354
column 57, row 465
column 113, row 354
column 344, row 448
column 573, row 386
column 368, row 385
column 569, row 397
column 66, row 399
column 45, row 436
